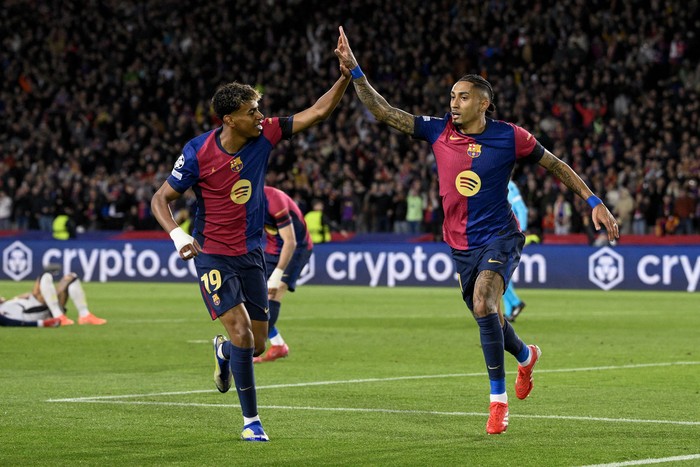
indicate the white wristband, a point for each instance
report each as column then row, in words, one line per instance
column 180, row 238
column 275, row 278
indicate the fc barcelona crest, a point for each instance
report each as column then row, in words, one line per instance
column 474, row 150
column 215, row 298
column 236, row 164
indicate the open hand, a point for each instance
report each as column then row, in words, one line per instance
column 344, row 53
column 601, row 215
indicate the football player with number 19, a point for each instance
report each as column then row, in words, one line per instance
column 475, row 157
column 226, row 169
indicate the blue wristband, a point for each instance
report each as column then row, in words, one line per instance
column 593, row 201
column 356, row 72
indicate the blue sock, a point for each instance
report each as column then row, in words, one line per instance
column 274, row 315
column 498, row 386
column 226, row 349
column 523, row 355
column 511, row 342
column 241, row 361
column 492, row 346
column 510, row 299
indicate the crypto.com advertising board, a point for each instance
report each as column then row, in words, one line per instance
column 408, row 264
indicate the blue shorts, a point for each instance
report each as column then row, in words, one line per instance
column 300, row 258
column 501, row 255
column 227, row 281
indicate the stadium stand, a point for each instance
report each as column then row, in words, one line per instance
column 96, row 99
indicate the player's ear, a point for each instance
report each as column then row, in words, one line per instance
column 485, row 105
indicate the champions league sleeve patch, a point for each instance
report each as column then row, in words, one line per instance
column 179, row 163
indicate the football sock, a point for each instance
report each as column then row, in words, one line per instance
column 5, row 321
column 274, row 314
column 248, row 420
column 277, row 340
column 241, row 361
column 510, row 299
column 511, row 342
column 273, row 334
column 491, row 336
column 77, row 295
column 48, row 291
column 224, row 350
column 524, row 356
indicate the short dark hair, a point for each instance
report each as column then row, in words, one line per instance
column 229, row 98
column 481, row 83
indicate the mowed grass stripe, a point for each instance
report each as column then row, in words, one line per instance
column 373, row 380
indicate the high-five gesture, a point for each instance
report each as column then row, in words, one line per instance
column 375, row 103
column 344, row 52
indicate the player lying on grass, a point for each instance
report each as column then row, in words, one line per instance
column 45, row 305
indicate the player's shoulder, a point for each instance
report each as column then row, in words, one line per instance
column 196, row 144
column 501, row 125
column 508, row 129
column 272, row 192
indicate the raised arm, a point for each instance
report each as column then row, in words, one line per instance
column 375, row 103
column 323, row 107
column 600, row 214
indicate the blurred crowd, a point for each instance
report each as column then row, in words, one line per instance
column 97, row 99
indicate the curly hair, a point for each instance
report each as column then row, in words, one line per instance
column 479, row 82
column 229, row 98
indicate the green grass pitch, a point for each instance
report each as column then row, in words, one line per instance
column 374, row 377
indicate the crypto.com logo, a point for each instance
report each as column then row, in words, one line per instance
column 606, row 268
column 308, row 272
column 17, row 261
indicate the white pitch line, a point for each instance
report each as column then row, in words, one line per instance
column 158, row 321
column 391, row 411
column 660, row 460
column 372, row 380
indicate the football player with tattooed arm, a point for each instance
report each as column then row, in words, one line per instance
column 226, row 169
column 475, row 156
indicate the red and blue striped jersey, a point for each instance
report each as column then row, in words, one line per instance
column 473, row 172
column 229, row 187
column 282, row 211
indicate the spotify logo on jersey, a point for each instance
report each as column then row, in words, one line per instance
column 468, row 183
column 241, row 191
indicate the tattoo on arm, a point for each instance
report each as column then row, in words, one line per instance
column 566, row 174
column 380, row 108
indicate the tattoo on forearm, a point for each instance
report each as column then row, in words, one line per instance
column 568, row 178
column 566, row 174
column 380, row 108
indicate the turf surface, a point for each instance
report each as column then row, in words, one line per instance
column 374, row 377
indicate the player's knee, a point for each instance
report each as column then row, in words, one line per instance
column 484, row 307
column 70, row 277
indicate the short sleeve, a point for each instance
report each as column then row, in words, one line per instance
column 277, row 128
column 428, row 128
column 185, row 172
column 526, row 146
column 277, row 208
